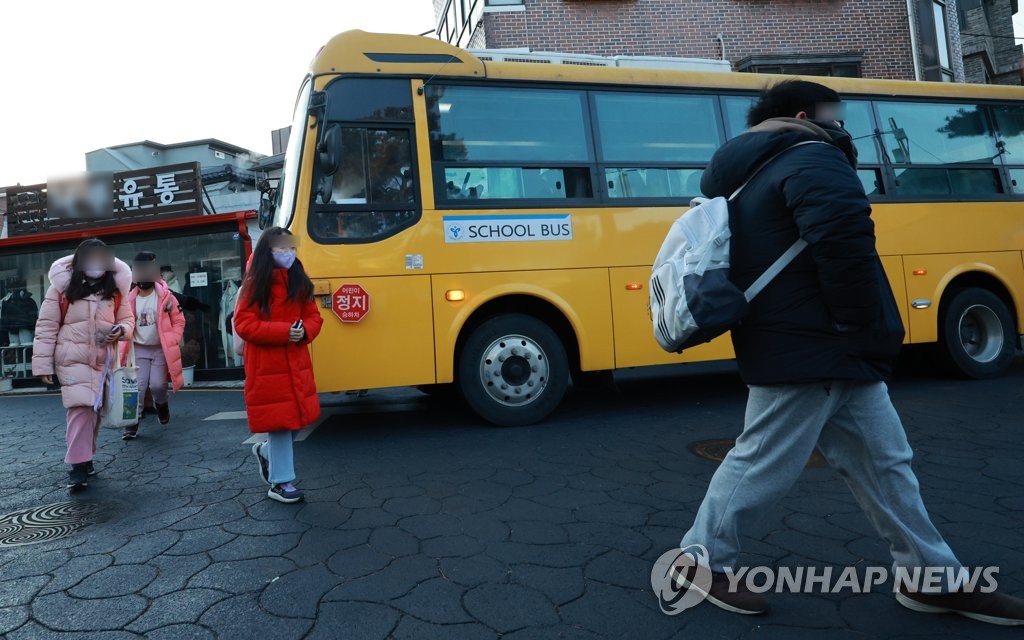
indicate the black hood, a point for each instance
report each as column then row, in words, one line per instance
column 736, row 160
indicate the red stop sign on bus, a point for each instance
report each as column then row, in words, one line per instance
column 351, row 303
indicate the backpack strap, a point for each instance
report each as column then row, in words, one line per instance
column 768, row 162
column 780, row 263
column 63, row 303
column 794, row 249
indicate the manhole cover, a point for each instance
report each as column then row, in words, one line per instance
column 47, row 522
column 715, row 450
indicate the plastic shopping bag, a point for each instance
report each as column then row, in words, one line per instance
column 121, row 399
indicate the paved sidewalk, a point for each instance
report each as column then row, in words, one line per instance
column 422, row 523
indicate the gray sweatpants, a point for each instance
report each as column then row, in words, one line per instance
column 856, row 428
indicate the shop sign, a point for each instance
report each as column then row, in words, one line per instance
column 97, row 200
column 200, row 279
column 350, row 303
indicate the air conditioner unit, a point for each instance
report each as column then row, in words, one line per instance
column 586, row 60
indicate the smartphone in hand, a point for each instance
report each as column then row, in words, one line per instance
column 297, row 326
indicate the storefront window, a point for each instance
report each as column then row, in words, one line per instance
column 205, row 268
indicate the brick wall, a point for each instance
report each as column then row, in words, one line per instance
column 979, row 48
column 990, row 53
column 956, row 48
column 1009, row 56
column 877, row 29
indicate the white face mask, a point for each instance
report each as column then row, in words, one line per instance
column 95, row 274
column 284, row 259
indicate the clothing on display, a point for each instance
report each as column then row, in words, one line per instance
column 227, row 308
column 18, row 314
column 215, row 255
column 168, row 275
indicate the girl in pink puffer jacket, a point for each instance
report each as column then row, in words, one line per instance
column 85, row 313
column 159, row 325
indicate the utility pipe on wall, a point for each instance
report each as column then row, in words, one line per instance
column 913, row 39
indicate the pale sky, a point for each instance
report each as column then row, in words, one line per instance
column 77, row 76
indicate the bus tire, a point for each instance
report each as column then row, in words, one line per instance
column 978, row 336
column 513, row 370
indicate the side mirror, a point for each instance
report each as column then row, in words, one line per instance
column 266, row 211
column 328, row 151
column 268, row 203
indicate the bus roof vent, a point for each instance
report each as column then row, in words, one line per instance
column 587, row 60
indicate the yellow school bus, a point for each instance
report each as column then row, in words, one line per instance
column 489, row 226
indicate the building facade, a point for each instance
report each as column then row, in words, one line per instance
column 192, row 203
column 894, row 39
column 991, row 53
column 229, row 181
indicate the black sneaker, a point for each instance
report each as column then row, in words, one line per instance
column 78, row 477
column 130, row 433
column 285, row 492
column 739, row 600
column 163, row 413
column 264, row 465
column 90, row 468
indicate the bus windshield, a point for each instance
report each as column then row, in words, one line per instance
column 286, row 188
column 372, row 194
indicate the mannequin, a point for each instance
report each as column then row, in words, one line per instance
column 227, row 308
column 5, row 333
column 168, row 275
column 18, row 314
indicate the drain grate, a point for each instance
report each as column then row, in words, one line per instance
column 46, row 522
column 716, row 450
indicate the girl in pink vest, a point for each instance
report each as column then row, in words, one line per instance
column 85, row 313
column 159, row 325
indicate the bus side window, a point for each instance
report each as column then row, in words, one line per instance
column 655, row 145
column 1010, row 125
column 940, row 149
column 498, row 143
column 653, row 182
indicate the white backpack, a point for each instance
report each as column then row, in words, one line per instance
column 692, row 299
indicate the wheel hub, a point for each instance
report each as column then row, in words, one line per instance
column 514, row 370
column 981, row 333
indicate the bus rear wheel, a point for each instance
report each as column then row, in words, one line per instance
column 513, row 370
column 978, row 335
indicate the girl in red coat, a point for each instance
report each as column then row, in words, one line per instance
column 277, row 318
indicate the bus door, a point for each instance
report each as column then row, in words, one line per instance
column 363, row 211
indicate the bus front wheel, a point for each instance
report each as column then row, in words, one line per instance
column 513, row 370
column 978, row 335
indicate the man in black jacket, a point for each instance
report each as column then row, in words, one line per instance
column 815, row 349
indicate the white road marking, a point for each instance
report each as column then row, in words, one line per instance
column 334, row 411
column 228, row 415
column 308, row 431
column 300, row 436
